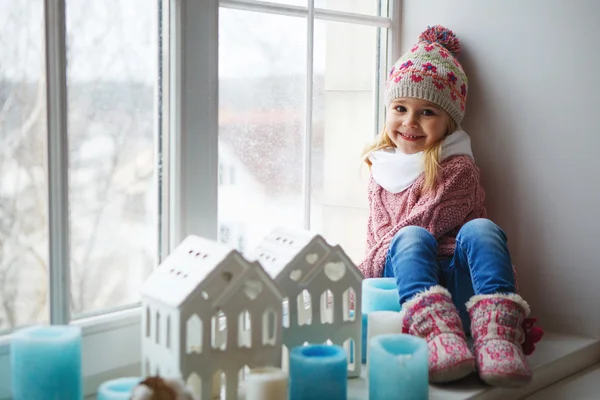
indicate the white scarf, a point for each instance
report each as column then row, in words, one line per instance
column 395, row 171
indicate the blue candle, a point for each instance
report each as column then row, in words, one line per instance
column 351, row 346
column 46, row 363
column 378, row 294
column 318, row 372
column 398, row 365
column 365, row 331
column 118, row 389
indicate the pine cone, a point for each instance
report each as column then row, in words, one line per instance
column 157, row 388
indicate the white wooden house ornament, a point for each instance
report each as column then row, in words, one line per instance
column 209, row 313
column 318, row 281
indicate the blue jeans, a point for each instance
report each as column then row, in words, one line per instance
column 480, row 265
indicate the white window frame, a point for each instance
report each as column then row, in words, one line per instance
column 111, row 346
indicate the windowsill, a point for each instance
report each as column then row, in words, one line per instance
column 584, row 385
column 556, row 356
column 112, row 349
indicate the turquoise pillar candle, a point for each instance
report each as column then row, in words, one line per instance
column 378, row 294
column 118, row 389
column 398, row 366
column 318, row 372
column 351, row 344
column 46, row 363
column 365, row 330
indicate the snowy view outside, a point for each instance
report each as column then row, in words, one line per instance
column 113, row 95
column 112, row 75
column 262, row 124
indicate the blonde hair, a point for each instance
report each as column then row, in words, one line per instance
column 432, row 154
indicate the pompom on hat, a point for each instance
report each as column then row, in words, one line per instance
column 430, row 71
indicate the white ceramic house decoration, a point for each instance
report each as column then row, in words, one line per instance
column 318, row 281
column 208, row 313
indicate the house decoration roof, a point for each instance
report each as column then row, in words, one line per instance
column 279, row 248
column 252, row 281
column 185, row 269
column 336, row 266
column 284, row 245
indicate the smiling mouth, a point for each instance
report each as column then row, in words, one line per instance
column 410, row 137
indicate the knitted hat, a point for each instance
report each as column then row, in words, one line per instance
column 430, row 71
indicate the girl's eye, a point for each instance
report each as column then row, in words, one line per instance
column 428, row 112
column 401, row 109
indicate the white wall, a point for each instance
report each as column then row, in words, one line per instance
column 533, row 113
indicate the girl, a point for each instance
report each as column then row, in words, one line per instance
column 427, row 225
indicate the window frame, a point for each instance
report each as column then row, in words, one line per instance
column 188, row 195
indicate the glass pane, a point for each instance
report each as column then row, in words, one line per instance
column 368, row 7
column 345, row 77
column 262, row 63
column 112, row 79
column 23, row 182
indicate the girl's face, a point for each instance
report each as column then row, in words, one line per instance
column 415, row 125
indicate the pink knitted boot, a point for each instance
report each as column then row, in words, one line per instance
column 432, row 316
column 496, row 327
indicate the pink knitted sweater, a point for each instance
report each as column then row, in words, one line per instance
column 457, row 199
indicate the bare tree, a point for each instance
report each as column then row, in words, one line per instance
column 22, row 199
column 116, row 107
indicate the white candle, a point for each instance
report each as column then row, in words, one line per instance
column 382, row 323
column 266, row 384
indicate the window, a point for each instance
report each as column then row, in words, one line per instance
column 112, row 94
column 138, row 168
column 23, row 173
column 111, row 192
column 79, row 202
column 296, row 107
